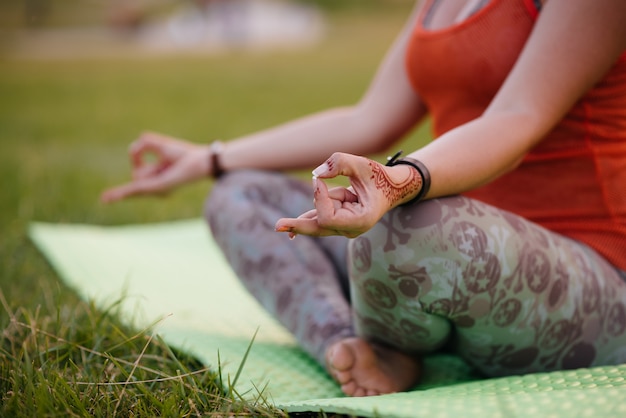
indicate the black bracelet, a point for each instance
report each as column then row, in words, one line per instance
column 215, row 153
column 421, row 169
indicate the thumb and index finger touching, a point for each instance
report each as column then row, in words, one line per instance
column 326, row 200
column 147, row 143
column 147, row 177
column 339, row 164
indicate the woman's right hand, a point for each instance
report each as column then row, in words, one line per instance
column 159, row 165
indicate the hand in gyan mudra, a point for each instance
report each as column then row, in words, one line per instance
column 160, row 164
column 350, row 211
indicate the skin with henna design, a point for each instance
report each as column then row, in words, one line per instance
column 395, row 192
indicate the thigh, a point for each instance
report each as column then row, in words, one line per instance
column 288, row 196
column 514, row 296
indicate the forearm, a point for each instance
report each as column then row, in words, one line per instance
column 305, row 142
column 478, row 152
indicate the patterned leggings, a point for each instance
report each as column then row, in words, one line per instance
column 505, row 294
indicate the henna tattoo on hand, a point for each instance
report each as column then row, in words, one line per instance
column 395, row 192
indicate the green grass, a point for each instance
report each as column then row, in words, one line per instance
column 64, row 129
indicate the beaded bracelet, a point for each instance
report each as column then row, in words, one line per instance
column 215, row 152
column 421, row 169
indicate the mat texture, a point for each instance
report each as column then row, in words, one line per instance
column 173, row 276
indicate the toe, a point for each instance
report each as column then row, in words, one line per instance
column 340, row 357
column 343, row 377
column 359, row 392
column 349, row 388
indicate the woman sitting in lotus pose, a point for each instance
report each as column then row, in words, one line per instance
column 504, row 239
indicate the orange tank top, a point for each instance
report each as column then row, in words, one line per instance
column 574, row 181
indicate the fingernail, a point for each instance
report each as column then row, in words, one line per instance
column 314, row 182
column 292, row 235
column 321, row 170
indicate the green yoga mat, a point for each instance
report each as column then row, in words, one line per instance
column 174, row 276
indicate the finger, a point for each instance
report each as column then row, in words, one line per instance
column 300, row 226
column 308, row 227
column 134, row 188
column 145, row 170
column 328, row 207
column 145, row 186
column 286, row 228
column 117, row 193
column 309, row 214
column 148, row 142
column 340, row 164
column 151, row 169
column 324, row 205
column 342, row 194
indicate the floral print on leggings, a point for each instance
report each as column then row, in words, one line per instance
column 504, row 293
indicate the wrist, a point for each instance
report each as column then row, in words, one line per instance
column 216, row 169
column 408, row 181
column 421, row 181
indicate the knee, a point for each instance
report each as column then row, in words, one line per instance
column 237, row 185
column 232, row 183
column 401, row 231
column 226, row 192
column 245, row 194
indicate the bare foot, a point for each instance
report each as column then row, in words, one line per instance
column 365, row 369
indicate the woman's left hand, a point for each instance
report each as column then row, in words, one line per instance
column 374, row 189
